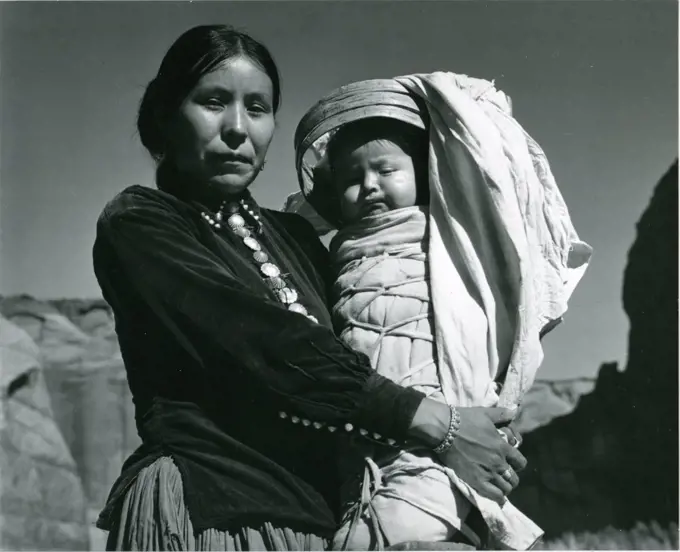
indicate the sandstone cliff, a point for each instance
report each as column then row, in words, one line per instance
column 86, row 381
column 42, row 503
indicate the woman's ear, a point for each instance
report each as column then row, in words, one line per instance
column 164, row 119
column 161, row 124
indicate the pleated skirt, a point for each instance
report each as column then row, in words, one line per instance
column 153, row 516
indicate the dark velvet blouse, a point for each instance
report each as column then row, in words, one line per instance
column 212, row 358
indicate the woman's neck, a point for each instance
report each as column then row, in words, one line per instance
column 172, row 181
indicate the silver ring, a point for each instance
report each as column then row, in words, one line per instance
column 507, row 474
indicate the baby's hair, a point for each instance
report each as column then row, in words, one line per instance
column 412, row 139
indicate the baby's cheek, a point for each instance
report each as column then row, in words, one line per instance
column 348, row 205
column 402, row 190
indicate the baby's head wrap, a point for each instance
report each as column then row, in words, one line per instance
column 348, row 104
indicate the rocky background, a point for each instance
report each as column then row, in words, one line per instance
column 614, row 459
column 67, row 410
column 602, row 453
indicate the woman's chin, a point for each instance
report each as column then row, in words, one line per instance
column 232, row 183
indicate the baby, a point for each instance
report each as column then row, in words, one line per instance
column 454, row 254
column 382, row 307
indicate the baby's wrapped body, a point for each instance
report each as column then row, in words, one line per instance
column 383, row 308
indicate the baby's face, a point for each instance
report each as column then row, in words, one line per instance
column 374, row 177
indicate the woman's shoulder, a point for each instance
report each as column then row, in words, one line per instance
column 138, row 197
column 148, row 205
column 138, row 208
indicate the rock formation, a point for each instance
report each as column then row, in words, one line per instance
column 86, row 380
column 614, row 460
column 650, row 299
column 42, row 503
column 547, row 400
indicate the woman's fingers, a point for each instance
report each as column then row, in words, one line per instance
column 508, row 437
column 503, row 484
column 510, row 476
column 492, row 492
column 512, row 436
column 515, row 458
column 499, row 416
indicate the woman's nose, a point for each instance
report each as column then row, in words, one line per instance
column 234, row 126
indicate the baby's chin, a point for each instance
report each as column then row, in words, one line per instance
column 373, row 210
column 369, row 214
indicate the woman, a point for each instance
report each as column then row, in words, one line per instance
column 238, row 380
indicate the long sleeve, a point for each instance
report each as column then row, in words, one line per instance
column 158, row 250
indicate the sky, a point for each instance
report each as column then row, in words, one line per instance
column 594, row 82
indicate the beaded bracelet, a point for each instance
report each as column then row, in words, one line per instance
column 451, row 434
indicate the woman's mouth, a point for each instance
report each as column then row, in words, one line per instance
column 229, row 164
column 232, row 159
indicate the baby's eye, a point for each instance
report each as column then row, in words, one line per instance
column 386, row 171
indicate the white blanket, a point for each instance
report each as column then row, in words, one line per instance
column 504, row 255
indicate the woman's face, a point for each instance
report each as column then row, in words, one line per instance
column 222, row 130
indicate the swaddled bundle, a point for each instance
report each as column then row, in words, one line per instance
column 502, row 259
column 383, row 308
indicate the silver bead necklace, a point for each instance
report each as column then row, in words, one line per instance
column 271, row 273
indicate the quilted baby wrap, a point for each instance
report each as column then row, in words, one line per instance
column 382, row 297
column 383, row 308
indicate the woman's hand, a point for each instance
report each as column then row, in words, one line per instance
column 479, row 455
column 512, row 434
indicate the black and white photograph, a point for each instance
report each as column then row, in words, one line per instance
column 308, row 275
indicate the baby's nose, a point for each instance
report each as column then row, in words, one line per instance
column 371, row 181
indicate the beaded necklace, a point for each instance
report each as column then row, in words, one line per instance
column 271, row 273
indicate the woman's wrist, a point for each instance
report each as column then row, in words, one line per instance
column 431, row 423
column 387, row 408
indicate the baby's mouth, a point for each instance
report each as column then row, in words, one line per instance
column 373, row 208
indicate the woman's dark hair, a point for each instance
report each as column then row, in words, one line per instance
column 197, row 52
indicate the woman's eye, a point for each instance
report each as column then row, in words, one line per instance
column 258, row 108
column 213, row 103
